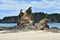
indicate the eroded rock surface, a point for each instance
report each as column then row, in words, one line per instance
column 42, row 25
column 25, row 18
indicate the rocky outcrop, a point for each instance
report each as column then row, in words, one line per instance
column 43, row 24
column 25, row 18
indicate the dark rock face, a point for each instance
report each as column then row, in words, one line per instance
column 53, row 30
column 6, row 28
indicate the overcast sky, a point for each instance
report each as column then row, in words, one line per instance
column 12, row 7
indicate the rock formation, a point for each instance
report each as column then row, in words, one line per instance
column 25, row 18
column 43, row 24
column 19, row 16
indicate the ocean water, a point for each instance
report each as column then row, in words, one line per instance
column 8, row 24
column 54, row 25
column 13, row 24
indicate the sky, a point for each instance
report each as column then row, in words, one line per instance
column 12, row 7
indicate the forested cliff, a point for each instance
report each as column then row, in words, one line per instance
column 54, row 17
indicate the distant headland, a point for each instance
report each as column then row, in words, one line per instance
column 54, row 17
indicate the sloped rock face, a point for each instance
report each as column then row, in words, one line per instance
column 25, row 18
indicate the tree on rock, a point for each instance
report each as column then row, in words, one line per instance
column 29, row 11
column 20, row 14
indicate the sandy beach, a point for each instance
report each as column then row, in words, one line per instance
column 30, row 35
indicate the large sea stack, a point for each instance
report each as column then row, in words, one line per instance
column 25, row 18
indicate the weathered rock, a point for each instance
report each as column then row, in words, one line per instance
column 25, row 18
column 43, row 25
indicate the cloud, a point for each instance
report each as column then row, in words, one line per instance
column 12, row 7
column 57, row 11
column 4, row 13
column 15, row 5
column 18, row 4
column 42, row 4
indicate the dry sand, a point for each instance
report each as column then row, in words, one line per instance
column 30, row 35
